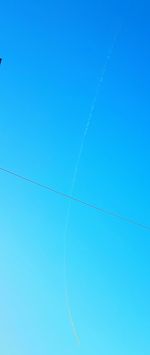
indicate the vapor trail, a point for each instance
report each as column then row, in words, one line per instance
column 74, row 178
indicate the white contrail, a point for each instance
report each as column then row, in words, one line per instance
column 67, row 301
column 74, row 178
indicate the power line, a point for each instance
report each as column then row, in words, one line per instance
column 78, row 200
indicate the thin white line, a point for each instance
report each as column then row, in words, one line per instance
column 74, row 178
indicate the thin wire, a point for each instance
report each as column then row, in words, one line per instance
column 78, row 200
column 86, row 204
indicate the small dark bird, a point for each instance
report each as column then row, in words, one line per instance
column 0, row 60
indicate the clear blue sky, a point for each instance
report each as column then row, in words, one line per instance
column 53, row 53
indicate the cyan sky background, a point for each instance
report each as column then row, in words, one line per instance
column 53, row 53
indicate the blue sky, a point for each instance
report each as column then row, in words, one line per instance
column 53, row 54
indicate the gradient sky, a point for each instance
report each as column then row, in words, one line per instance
column 53, row 53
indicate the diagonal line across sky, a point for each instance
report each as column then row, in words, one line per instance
column 90, row 205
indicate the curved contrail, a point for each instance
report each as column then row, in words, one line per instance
column 74, row 178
